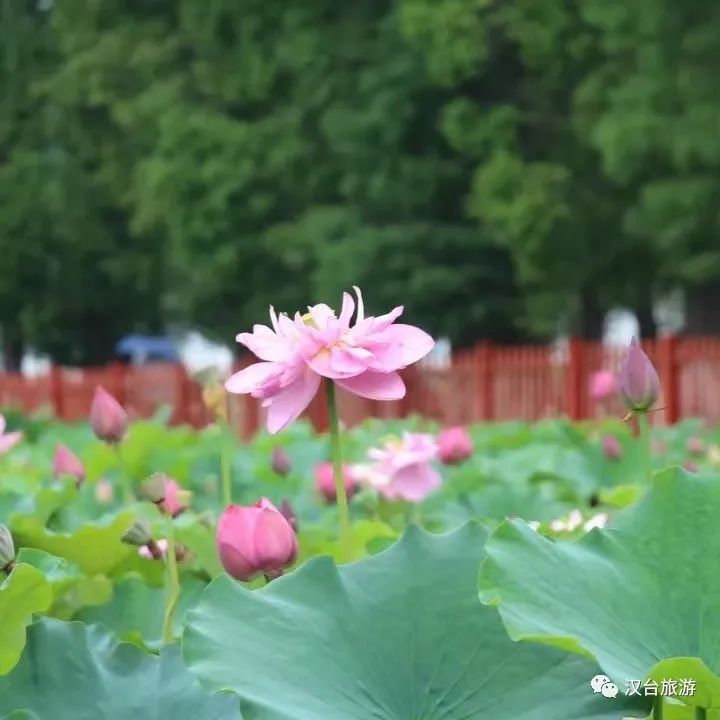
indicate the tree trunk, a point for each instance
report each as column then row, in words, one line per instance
column 646, row 321
column 591, row 320
column 702, row 309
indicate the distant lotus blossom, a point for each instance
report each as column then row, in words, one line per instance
column 639, row 382
column 596, row 521
column 612, row 449
column 603, row 385
column 66, row 462
column 695, row 446
column 8, row 440
column 108, row 419
column 176, row 499
column 325, row 481
column 296, row 354
column 401, row 468
column 104, row 492
column 691, row 466
column 455, row 445
column 572, row 522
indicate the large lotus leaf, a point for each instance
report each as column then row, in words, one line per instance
column 642, row 596
column 397, row 636
column 95, row 547
column 72, row 671
column 24, row 592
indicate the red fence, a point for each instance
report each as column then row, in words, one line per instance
column 486, row 383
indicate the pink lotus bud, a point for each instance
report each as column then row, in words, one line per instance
column 639, row 382
column 107, row 417
column 8, row 440
column 603, row 385
column 255, row 539
column 325, row 481
column 289, row 514
column 695, row 446
column 104, row 492
column 612, row 449
column 280, row 462
column 177, row 500
column 66, row 462
column 454, row 445
column 691, row 466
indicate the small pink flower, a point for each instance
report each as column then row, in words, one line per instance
column 401, row 469
column 639, row 382
column 104, row 492
column 145, row 551
column 107, row 417
column 695, row 446
column 8, row 440
column 612, row 449
column 296, row 354
column 175, row 498
column 603, row 385
column 66, row 462
column 325, row 481
column 255, row 539
column 455, row 445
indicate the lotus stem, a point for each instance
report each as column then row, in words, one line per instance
column 658, row 708
column 128, row 495
column 645, row 440
column 172, row 593
column 336, row 455
column 225, row 468
column 700, row 713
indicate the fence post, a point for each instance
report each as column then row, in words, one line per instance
column 668, row 371
column 574, row 379
column 485, row 356
column 56, row 391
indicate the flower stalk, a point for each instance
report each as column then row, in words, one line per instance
column 172, row 584
column 657, row 713
column 128, row 495
column 646, row 443
column 336, row 456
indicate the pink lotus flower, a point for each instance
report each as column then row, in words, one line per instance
column 603, row 385
column 255, row 539
column 296, row 354
column 401, row 468
column 325, row 481
column 8, row 440
column 104, row 492
column 695, row 446
column 176, row 499
column 66, row 462
column 107, row 417
column 639, row 382
column 612, row 449
column 280, row 462
column 454, row 445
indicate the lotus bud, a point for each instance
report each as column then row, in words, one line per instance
column 7, row 549
column 695, row 446
column 603, row 385
column 454, row 445
column 639, row 382
column 280, row 462
column 66, row 462
column 107, row 417
column 612, row 449
column 325, row 481
column 255, row 539
column 138, row 533
column 104, row 492
column 166, row 494
column 289, row 514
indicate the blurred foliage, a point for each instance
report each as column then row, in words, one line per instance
column 493, row 166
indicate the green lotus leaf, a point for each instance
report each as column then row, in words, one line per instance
column 24, row 592
column 644, row 591
column 95, row 547
column 397, row 636
column 72, row 671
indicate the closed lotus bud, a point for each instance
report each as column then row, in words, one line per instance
column 104, row 492
column 695, row 446
column 639, row 382
column 612, row 449
column 7, row 549
column 166, row 494
column 138, row 533
column 255, row 539
column 280, row 462
column 107, row 417
column 325, row 481
column 454, row 445
column 66, row 462
column 289, row 514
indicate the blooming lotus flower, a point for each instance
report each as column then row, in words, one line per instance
column 454, row 445
column 66, row 462
column 296, row 354
column 255, row 539
column 639, row 382
column 325, row 481
column 280, row 462
column 695, row 446
column 107, row 417
column 8, row 440
column 603, row 385
column 104, row 492
column 612, row 449
column 401, row 469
